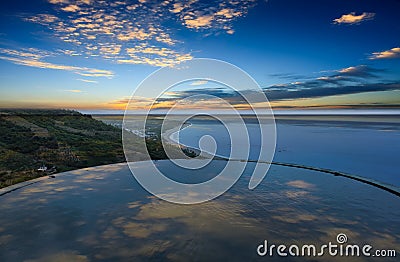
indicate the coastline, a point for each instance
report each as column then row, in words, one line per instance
column 381, row 185
column 167, row 136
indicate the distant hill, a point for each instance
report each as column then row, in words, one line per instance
column 60, row 140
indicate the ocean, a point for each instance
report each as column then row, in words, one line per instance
column 366, row 146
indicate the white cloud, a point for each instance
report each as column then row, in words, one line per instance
column 87, row 81
column 74, row 90
column 34, row 58
column 199, row 83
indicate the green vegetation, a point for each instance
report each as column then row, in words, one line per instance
column 61, row 140
column 64, row 140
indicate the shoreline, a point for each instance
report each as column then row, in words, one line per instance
column 381, row 185
column 167, row 137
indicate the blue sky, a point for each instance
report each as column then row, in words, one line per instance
column 90, row 55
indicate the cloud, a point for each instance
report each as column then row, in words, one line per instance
column 177, row 7
column 289, row 92
column 363, row 71
column 323, row 91
column 353, row 18
column 69, row 52
column 110, row 50
column 214, row 16
column 136, row 34
column 392, row 53
column 31, row 53
column 113, row 29
column 137, row 104
column 42, row 18
column 285, row 93
column 199, row 83
column 58, row 1
column 71, row 8
column 125, row 33
column 350, row 80
column 34, row 58
column 289, row 76
column 153, row 56
column 216, row 91
column 200, row 21
column 87, row 81
column 74, row 90
column 91, row 72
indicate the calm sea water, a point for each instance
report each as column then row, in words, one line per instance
column 367, row 146
column 363, row 146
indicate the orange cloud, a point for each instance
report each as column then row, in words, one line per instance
column 58, row 1
column 201, row 21
column 154, row 56
column 110, row 29
column 138, row 104
column 126, row 34
column 228, row 13
column 352, row 18
column 178, row 7
column 392, row 53
column 348, row 69
column 111, row 50
column 218, row 16
column 71, row 8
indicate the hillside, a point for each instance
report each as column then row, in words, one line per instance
column 61, row 140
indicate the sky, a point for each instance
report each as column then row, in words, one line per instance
column 90, row 55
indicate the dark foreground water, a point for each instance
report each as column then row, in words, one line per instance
column 103, row 214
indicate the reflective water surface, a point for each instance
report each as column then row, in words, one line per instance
column 103, row 214
column 360, row 145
